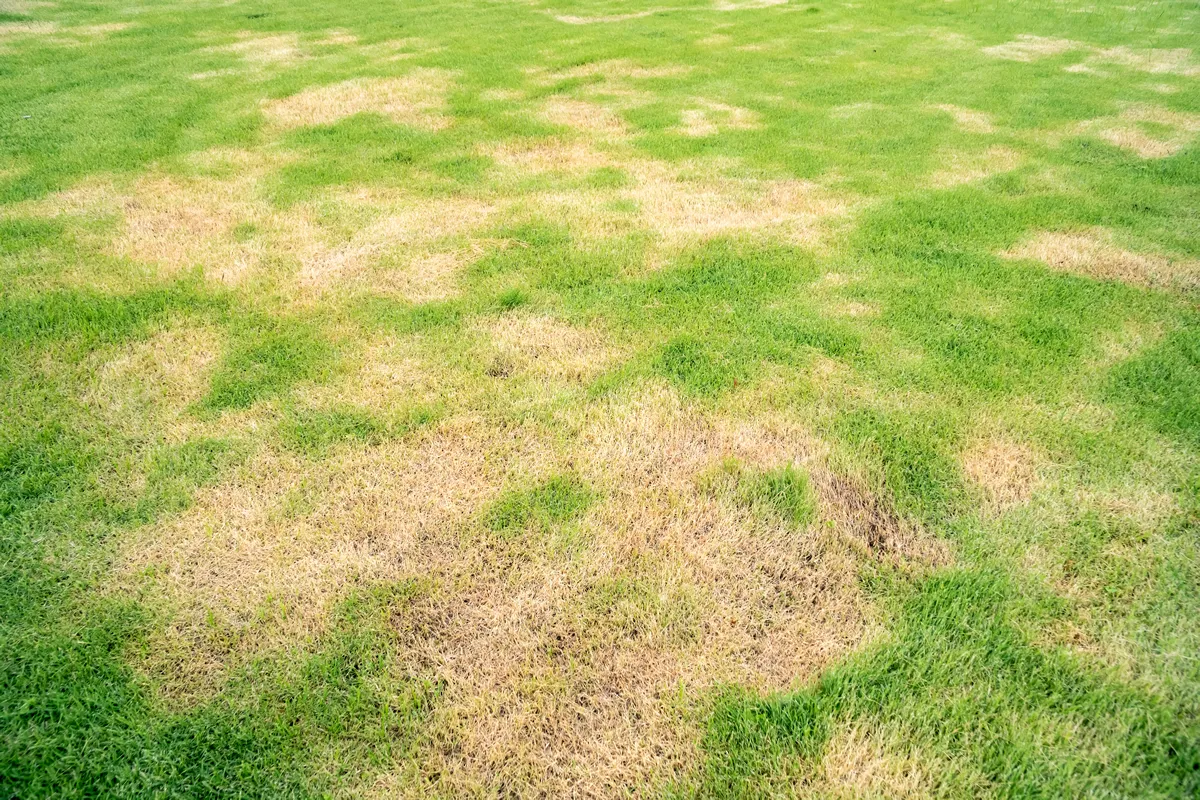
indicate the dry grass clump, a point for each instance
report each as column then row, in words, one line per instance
column 259, row 52
column 571, row 19
column 157, row 379
column 585, row 117
column 417, row 99
column 1027, row 48
column 399, row 222
column 1176, row 61
column 550, row 155
column 1134, row 130
column 968, row 167
column 1092, row 252
column 968, row 119
column 860, row 763
column 1005, row 471
column 711, row 117
column 549, row 348
column 741, row 5
column 258, row 562
column 680, row 210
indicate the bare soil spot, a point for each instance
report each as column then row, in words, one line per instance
column 417, row 99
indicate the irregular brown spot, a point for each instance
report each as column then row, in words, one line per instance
column 1027, row 47
column 1138, row 128
column 585, row 117
column 1005, row 471
column 968, row 167
column 547, row 347
column 1092, row 252
column 259, row 52
column 417, row 99
column 711, row 117
column 859, row 762
column 968, row 119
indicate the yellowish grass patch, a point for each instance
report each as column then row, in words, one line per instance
column 860, row 763
column 585, row 117
column 1028, row 47
column 1092, row 252
column 417, row 99
column 968, row 119
column 1005, row 471
column 259, row 52
column 549, row 348
column 968, row 167
column 710, row 118
column 1130, row 131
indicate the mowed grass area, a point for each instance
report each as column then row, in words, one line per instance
column 722, row 398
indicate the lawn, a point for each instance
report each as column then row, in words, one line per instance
column 597, row 398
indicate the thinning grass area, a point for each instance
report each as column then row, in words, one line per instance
column 730, row 398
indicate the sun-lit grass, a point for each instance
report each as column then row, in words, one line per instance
column 730, row 398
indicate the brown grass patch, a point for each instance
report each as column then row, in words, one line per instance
column 1027, row 48
column 153, row 383
column 967, row 119
column 585, row 117
column 611, row 70
column 400, row 222
column 417, row 99
column 571, row 19
column 1138, row 128
column 259, row 52
column 968, row 167
column 743, row 5
column 549, row 348
column 1005, row 471
column 1092, row 252
column 711, row 117
column 680, row 210
column 550, row 155
column 859, row 763
column 1177, row 61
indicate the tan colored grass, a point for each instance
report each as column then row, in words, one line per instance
column 1177, row 61
column 616, row 69
column 400, row 222
column 549, row 348
column 1005, row 471
column 16, row 29
column 1092, row 252
column 681, row 210
column 959, row 167
column 571, row 19
column 860, row 763
column 338, row 38
column 260, row 52
column 968, row 119
column 551, row 155
column 152, row 384
column 585, row 117
column 417, row 99
column 1129, row 130
column 710, row 118
column 743, row 5
column 1028, row 47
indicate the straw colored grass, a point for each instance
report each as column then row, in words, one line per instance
column 417, row 99
column 1005, row 471
column 1092, row 252
column 1028, row 48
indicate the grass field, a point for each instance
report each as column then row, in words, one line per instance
column 597, row 398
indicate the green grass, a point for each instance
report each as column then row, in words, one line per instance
column 143, row 399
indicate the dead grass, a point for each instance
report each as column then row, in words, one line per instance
column 968, row 119
column 585, row 117
column 548, row 348
column 571, row 19
column 1140, row 128
column 1177, row 61
column 710, row 118
column 260, row 52
column 1092, row 252
column 550, row 155
column 968, row 167
column 1028, row 48
column 860, row 763
column 1005, row 471
column 417, row 99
